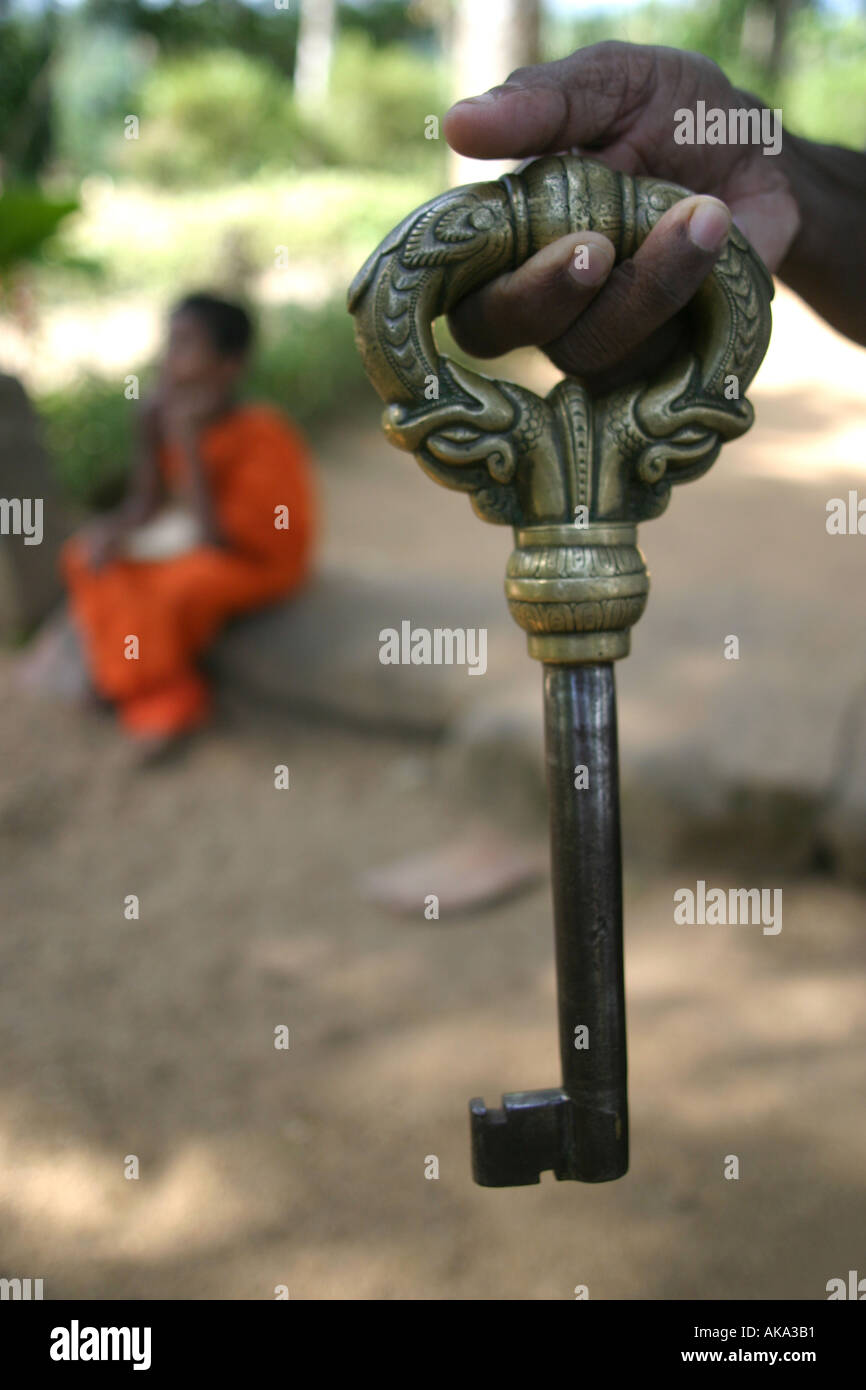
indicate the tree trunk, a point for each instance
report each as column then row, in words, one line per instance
column 489, row 39
column 318, row 22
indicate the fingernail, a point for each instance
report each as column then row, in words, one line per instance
column 709, row 225
column 590, row 263
column 481, row 100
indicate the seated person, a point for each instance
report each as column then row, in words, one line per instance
column 219, row 520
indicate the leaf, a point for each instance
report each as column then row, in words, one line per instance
column 27, row 220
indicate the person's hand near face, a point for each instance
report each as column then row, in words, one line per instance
column 102, row 538
column 184, row 410
column 196, row 382
column 195, row 389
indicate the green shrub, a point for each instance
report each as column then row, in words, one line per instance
column 28, row 221
column 215, row 116
column 222, row 115
column 377, row 104
column 97, row 71
column 307, row 362
column 88, row 432
column 823, row 94
column 158, row 240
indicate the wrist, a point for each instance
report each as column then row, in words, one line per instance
column 824, row 264
column 804, row 178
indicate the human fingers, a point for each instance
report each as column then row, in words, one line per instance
column 646, row 291
column 537, row 301
column 576, row 101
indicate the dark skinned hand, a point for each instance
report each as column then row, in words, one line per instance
column 615, row 102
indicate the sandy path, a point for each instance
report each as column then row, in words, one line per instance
column 306, row 1167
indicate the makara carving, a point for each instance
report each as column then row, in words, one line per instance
column 573, row 474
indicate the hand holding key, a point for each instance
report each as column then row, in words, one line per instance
column 573, row 474
column 616, row 102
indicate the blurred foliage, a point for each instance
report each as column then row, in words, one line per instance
column 221, row 115
column 307, row 361
column 824, row 96
column 28, row 220
column 26, row 52
column 89, row 113
column 306, row 364
column 380, row 124
column 212, row 117
column 184, row 28
column 29, row 241
column 813, row 68
column 212, row 81
column 259, row 29
column 88, row 433
column 159, row 238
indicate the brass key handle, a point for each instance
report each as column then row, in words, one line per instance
column 571, row 473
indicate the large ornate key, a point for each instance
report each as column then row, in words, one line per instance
column 573, row 475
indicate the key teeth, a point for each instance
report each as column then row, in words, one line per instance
column 514, row 1145
column 539, row 1131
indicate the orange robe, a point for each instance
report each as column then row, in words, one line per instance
column 256, row 463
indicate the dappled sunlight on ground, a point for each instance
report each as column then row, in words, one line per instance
column 306, row 1167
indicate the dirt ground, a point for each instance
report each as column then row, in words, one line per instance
column 305, row 1167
